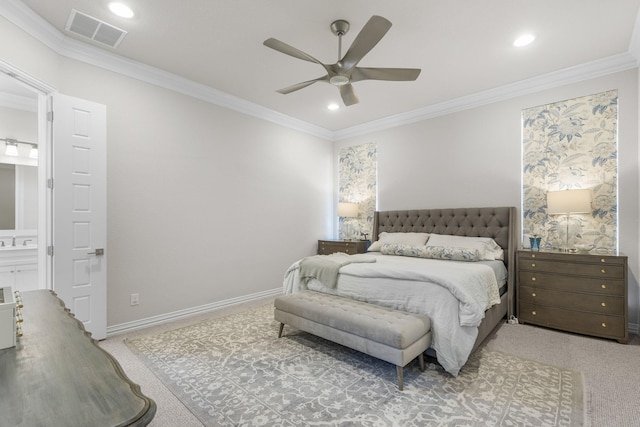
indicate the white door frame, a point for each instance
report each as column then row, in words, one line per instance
column 45, row 136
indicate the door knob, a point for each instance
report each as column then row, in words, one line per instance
column 99, row 251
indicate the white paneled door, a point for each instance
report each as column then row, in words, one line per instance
column 79, row 210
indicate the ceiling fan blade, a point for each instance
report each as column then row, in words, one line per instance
column 369, row 36
column 289, row 50
column 391, row 74
column 348, row 95
column 301, row 85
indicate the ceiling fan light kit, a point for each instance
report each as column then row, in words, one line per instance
column 345, row 71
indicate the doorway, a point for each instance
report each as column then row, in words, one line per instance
column 76, row 267
column 20, row 263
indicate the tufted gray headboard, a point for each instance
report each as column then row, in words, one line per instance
column 498, row 223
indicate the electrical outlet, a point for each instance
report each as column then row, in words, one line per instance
column 135, row 299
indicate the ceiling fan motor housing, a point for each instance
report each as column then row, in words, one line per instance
column 340, row 27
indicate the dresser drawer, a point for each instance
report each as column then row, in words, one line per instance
column 572, row 258
column 574, row 321
column 600, row 304
column 572, row 283
column 594, row 270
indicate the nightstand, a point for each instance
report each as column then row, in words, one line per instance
column 580, row 293
column 328, row 247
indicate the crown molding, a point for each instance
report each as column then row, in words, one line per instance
column 25, row 18
column 634, row 43
column 22, row 16
column 590, row 70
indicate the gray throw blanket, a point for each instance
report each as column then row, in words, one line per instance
column 325, row 268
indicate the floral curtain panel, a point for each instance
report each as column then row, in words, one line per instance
column 358, row 184
column 569, row 145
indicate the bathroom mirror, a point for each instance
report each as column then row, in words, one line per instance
column 18, row 169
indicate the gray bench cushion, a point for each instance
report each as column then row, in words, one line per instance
column 393, row 336
column 394, row 328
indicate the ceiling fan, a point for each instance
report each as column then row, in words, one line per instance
column 345, row 71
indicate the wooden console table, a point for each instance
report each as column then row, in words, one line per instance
column 57, row 375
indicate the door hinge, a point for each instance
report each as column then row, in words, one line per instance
column 50, row 116
column 50, row 250
column 50, row 183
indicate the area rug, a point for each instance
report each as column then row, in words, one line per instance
column 234, row 371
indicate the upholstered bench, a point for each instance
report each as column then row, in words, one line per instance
column 391, row 335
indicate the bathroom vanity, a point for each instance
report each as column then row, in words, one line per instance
column 19, row 266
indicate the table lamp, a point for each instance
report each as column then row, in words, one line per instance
column 347, row 210
column 567, row 202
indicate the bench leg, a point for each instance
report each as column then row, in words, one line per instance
column 421, row 361
column 400, row 382
column 280, row 331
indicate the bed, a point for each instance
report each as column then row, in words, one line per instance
column 464, row 300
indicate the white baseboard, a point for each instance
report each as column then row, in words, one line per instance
column 181, row 314
column 634, row 328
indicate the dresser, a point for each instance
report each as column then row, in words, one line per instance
column 582, row 293
column 328, row 247
column 57, row 375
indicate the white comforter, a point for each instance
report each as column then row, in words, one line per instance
column 453, row 294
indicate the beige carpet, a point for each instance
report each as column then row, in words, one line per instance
column 235, row 371
column 612, row 386
column 611, row 370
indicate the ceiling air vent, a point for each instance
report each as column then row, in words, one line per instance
column 94, row 29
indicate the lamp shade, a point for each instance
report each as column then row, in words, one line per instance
column 568, row 202
column 348, row 210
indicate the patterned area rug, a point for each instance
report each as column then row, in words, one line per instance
column 235, row 371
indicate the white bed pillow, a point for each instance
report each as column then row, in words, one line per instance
column 488, row 248
column 409, row 239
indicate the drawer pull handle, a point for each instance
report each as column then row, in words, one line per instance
column 533, row 279
column 534, row 313
column 603, row 286
column 603, row 271
column 533, row 264
column 533, row 294
column 604, row 304
column 604, row 325
column 533, row 255
column 603, row 260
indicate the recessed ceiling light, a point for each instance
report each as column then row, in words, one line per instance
column 333, row 106
column 121, row 9
column 524, row 40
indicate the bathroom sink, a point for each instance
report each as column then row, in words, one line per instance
column 18, row 247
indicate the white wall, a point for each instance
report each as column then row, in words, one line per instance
column 180, row 171
column 204, row 204
column 473, row 158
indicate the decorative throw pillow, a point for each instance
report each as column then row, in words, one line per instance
column 433, row 252
column 402, row 250
column 410, row 239
column 487, row 247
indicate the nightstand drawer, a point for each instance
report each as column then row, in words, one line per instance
column 574, row 321
column 572, row 283
column 328, row 247
column 593, row 270
column 601, row 304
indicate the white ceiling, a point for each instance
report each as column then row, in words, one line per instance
column 463, row 47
